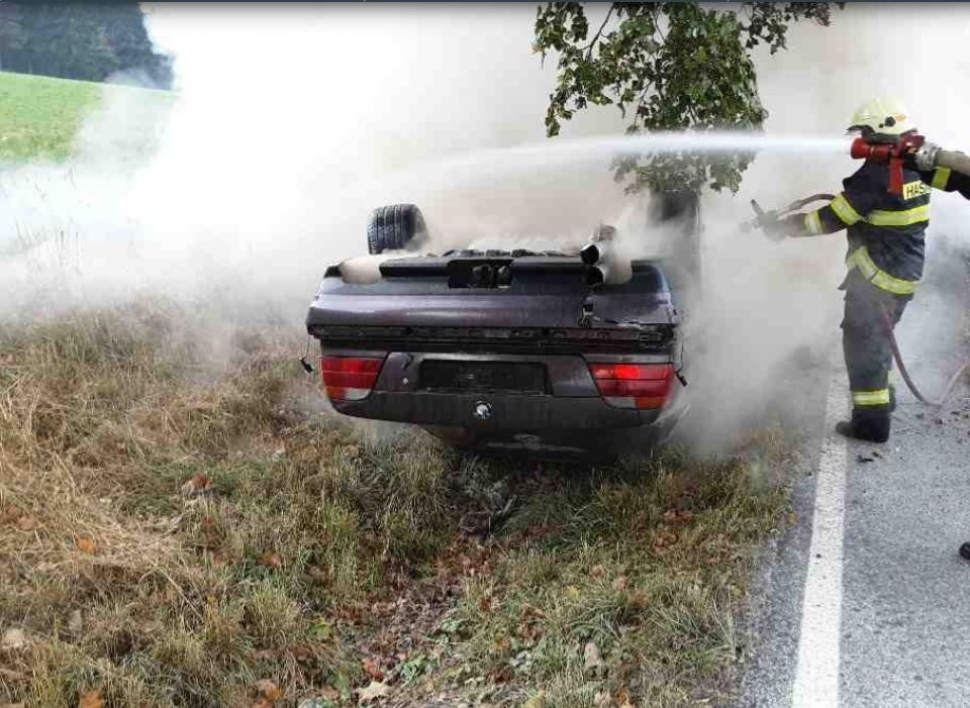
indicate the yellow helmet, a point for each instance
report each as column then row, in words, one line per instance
column 883, row 117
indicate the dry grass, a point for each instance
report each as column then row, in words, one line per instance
column 321, row 557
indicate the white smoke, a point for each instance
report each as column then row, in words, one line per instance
column 776, row 305
column 292, row 121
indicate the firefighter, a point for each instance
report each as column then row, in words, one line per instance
column 886, row 234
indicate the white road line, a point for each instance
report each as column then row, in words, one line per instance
column 817, row 673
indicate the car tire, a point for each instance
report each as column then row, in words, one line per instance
column 394, row 228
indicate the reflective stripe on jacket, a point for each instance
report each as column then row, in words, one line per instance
column 886, row 232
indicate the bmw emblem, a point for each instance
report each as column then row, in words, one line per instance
column 482, row 410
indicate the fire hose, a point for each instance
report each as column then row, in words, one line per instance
column 764, row 218
column 910, row 384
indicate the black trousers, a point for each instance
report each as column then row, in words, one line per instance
column 865, row 342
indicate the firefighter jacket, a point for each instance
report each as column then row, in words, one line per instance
column 886, row 231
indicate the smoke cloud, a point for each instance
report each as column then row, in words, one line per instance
column 292, row 121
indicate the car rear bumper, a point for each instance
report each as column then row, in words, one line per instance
column 484, row 412
column 571, row 400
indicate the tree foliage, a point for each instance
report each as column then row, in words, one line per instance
column 667, row 66
column 88, row 41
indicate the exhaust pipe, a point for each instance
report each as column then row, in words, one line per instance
column 594, row 256
column 603, row 264
column 595, row 275
column 593, row 253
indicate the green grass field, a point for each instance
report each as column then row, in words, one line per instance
column 40, row 116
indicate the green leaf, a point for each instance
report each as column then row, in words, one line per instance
column 668, row 66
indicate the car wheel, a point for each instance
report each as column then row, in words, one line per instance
column 395, row 227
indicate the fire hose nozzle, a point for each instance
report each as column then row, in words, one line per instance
column 861, row 150
column 894, row 154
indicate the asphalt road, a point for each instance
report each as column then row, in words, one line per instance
column 881, row 616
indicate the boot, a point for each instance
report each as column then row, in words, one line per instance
column 892, row 398
column 866, row 424
column 965, row 551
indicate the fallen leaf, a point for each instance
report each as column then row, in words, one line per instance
column 623, row 698
column 572, row 592
column 352, row 451
column 13, row 639
column 639, row 601
column 678, row 517
column 373, row 669
column 530, row 634
column 373, row 691
column 597, row 571
column 87, row 545
column 197, row 485
column 591, row 657
column 620, row 583
column 269, row 690
column 664, row 539
column 26, row 523
column 13, row 511
column 321, row 630
column 301, row 652
column 503, row 674
column 90, row 699
column 271, row 560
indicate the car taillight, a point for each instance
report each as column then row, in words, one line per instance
column 633, row 385
column 349, row 378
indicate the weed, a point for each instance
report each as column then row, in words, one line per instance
column 175, row 528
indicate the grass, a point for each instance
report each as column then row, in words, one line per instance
column 181, row 522
column 177, row 527
column 41, row 117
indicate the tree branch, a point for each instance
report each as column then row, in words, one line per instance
column 589, row 47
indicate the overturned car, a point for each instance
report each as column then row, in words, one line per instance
column 508, row 350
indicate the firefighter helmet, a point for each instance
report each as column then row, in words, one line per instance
column 883, row 117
